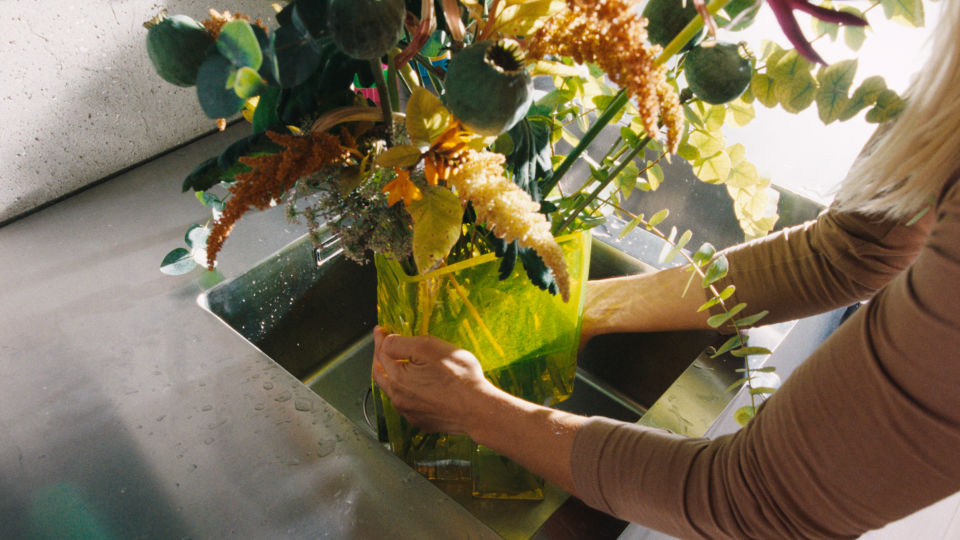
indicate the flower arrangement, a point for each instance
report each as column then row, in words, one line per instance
column 435, row 130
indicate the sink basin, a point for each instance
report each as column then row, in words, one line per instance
column 313, row 313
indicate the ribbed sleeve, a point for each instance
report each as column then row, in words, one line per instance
column 865, row 432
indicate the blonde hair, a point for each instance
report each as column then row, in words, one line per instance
column 907, row 162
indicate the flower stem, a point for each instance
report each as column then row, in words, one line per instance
column 384, row 94
column 599, row 189
column 619, row 101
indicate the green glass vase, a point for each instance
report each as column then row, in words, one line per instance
column 525, row 338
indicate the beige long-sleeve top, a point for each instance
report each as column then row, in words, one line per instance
column 866, row 431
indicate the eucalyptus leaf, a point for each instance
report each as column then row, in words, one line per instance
column 238, row 44
column 728, row 345
column 715, row 272
column 743, row 415
column 216, row 99
column 736, row 384
column 177, row 262
column 749, row 351
column 752, row 319
column 716, row 321
column 267, row 113
column 203, row 177
column 247, row 83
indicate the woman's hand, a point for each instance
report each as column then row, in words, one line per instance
column 434, row 384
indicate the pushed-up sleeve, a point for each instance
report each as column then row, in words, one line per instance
column 831, row 262
column 865, row 432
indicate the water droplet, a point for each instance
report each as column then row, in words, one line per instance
column 208, row 441
column 207, row 408
column 123, row 490
column 268, row 385
column 284, row 397
column 161, row 417
column 258, row 407
column 192, row 467
column 326, row 447
column 303, row 404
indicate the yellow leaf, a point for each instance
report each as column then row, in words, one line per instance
column 714, row 169
column 401, row 157
column 706, row 143
column 555, row 69
column 741, row 111
column 521, row 17
column 713, row 121
column 427, row 118
column 436, row 226
column 763, row 88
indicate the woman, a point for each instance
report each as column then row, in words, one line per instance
column 866, row 431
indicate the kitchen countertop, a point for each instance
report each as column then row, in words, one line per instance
column 128, row 411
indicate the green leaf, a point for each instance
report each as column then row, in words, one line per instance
column 668, row 253
column 654, row 176
column 246, row 82
column 715, row 272
column 824, row 28
column 718, row 320
column 209, row 200
column 203, row 177
column 688, row 152
column 727, row 292
column 736, row 384
column 749, row 351
column 752, row 319
column 764, row 369
column 888, row 106
column 177, row 262
column 865, row 95
column 436, row 226
column 743, row 415
column 627, row 178
column 657, row 218
column 741, row 111
column 238, row 44
column 727, row 346
column 762, row 390
column 217, row 99
column 401, row 156
column 854, row 36
column 788, row 67
column 832, row 95
column 796, row 93
column 426, row 117
column 909, row 12
column 704, row 253
column 267, row 113
column 763, row 88
column 630, row 226
column 713, row 169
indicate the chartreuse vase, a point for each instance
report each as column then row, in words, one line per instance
column 525, row 338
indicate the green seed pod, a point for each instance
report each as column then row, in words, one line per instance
column 717, row 74
column 487, row 86
column 366, row 29
column 666, row 18
column 177, row 45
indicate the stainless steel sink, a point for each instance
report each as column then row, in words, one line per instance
column 315, row 320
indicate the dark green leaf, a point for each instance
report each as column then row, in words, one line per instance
column 190, row 231
column 742, row 13
column 267, row 115
column 216, row 99
column 537, row 271
column 293, row 57
column 251, row 144
column 203, row 177
column 238, row 44
column 310, row 17
column 177, row 262
column 209, row 200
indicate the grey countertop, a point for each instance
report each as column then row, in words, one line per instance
column 127, row 411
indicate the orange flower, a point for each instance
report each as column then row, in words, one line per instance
column 402, row 187
column 446, row 153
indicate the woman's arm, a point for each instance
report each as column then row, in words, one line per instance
column 825, row 264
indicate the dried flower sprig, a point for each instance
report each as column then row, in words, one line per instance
column 612, row 35
column 271, row 175
column 508, row 211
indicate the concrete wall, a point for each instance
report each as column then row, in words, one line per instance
column 79, row 97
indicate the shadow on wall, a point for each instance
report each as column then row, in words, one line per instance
column 83, row 101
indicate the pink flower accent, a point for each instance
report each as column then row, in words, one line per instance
column 783, row 10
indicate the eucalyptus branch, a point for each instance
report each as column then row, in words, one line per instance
column 738, row 344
